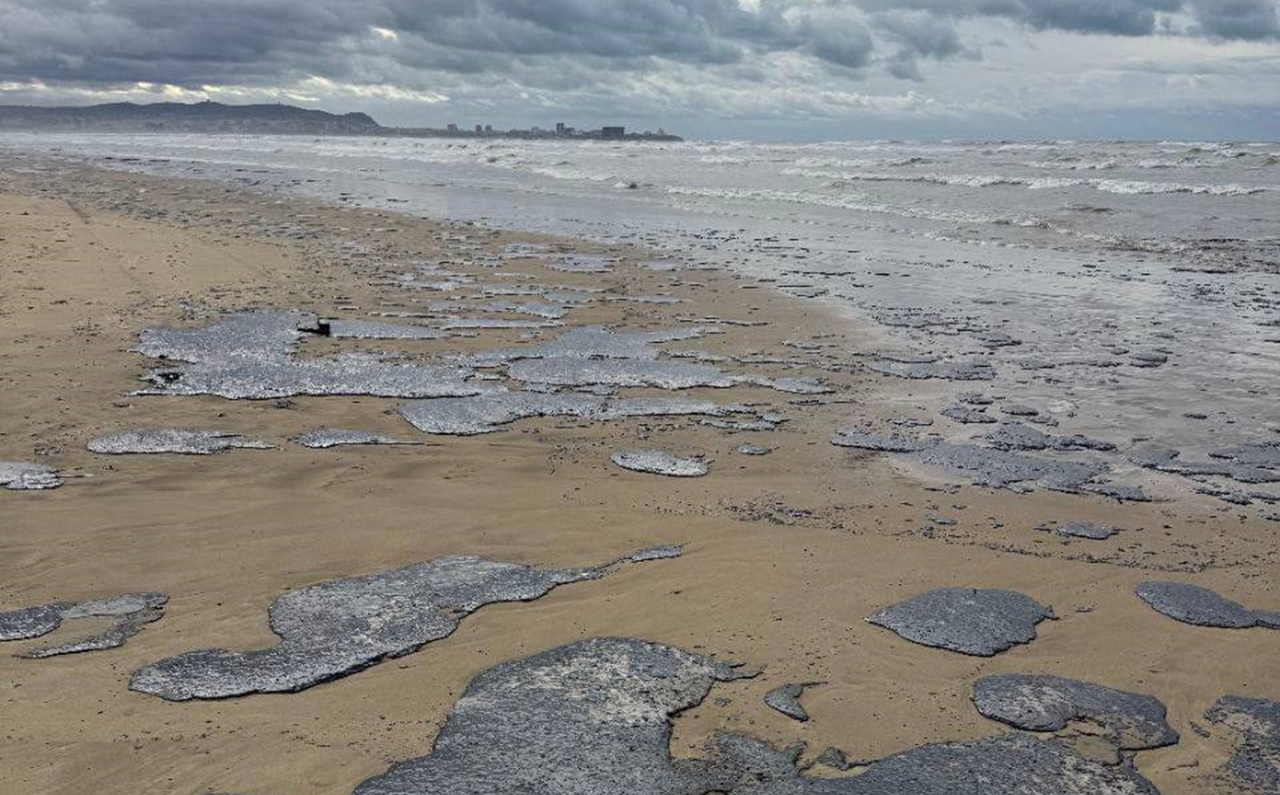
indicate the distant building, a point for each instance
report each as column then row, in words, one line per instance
column 453, row 128
column 479, row 129
column 560, row 129
column 613, row 132
column 488, row 128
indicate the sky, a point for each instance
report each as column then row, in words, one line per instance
column 723, row 69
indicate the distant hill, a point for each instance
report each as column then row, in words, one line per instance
column 203, row 117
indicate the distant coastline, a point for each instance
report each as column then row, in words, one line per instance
column 215, row 118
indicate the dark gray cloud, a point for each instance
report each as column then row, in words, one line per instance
column 544, row 43
column 108, row 41
column 189, row 42
column 1117, row 17
column 1234, row 19
column 835, row 36
column 922, row 33
column 1238, row 19
column 917, row 33
column 704, row 31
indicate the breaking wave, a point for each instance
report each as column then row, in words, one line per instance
column 1132, row 187
column 851, row 202
column 1127, row 187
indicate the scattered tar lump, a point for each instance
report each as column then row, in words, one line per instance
column 659, row 300
column 881, row 443
column 251, row 334
column 608, row 366
column 753, row 449
column 1249, row 467
column 1192, row 604
column 463, row 323
column 134, row 611
column 371, row 330
column 786, row 700
column 998, row 339
column 568, row 296
column 1116, row 491
column 442, row 286
column 1089, row 530
column 596, row 717
column 663, row 552
column 250, row 356
column 344, row 374
column 591, row 717
column 661, row 406
column 950, row 371
column 835, row 758
column 982, row 623
column 1265, row 455
column 1016, row 436
column 1000, row 469
column 150, row 441
column 700, row 356
column 985, row 466
column 660, row 462
column 993, row 467
column 737, row 426
column 490, row 412
column 915, row 319
column 577, row 371
column 592, row 342
column 335, row 628
column 547, row 311
column 1018, row 410
column 1040, row 703
column 582, row 263
column 1043, row 363
column 525, row 250
column 1255, row 765
column 18, row 476
column 791, row 386
column 324, row 438
column 968, row 416
column 1010, row 764
column 666, row 265
column 1148, row 359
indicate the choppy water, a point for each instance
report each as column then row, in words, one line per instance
column 1083, row 253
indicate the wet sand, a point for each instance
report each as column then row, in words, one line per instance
column 785, row 554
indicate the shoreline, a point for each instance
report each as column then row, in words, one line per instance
column 1107, row 330
column 784, row 553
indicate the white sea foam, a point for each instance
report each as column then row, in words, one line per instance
column 859, row 204
column 1134, row 187
column 1115, row 164
column 959, row 180
column 567, row 172
column 861, row 162
column 1127, row 187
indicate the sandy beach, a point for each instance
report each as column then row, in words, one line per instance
column 784, row 554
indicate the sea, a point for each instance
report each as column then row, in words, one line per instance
column 1128, row 290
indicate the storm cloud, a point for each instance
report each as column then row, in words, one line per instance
column 558, row 52
column 192, row 42
column 1238, row 19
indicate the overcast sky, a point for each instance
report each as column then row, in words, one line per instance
column 762, row 69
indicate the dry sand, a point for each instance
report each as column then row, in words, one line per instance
column 785, row 554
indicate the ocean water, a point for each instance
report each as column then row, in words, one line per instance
column 1057, row 262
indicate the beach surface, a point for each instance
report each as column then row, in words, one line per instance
column 785, row 554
